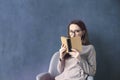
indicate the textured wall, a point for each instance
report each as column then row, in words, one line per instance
column 30, row 33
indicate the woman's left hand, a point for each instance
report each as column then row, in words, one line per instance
column 75, row 53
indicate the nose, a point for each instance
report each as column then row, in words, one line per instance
column 73, row 35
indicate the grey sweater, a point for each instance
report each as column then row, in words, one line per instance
column 74, row 69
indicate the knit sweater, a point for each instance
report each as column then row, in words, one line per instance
column 74, row 69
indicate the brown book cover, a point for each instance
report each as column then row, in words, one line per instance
column 72, row 43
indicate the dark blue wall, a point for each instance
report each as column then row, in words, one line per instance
column 30, row 33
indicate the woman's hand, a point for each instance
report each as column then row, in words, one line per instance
column 62, row 51
column 75, row 53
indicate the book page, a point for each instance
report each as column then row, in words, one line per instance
column 64, row 40
column 76, row 43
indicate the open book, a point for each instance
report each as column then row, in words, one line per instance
column 72, row 43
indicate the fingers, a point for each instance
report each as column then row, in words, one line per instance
column 62, row 51
column 71, row 53
column 63, row 46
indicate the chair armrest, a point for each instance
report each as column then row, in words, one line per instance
column 90, row 78
column 44, row 76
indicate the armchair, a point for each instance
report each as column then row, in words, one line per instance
column 52, row 72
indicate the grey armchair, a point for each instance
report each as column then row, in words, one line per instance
column 52, row 72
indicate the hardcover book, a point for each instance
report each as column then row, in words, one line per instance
column 72, row 43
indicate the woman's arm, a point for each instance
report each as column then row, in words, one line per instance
column 89, row 65
column 60, row 66
column 61, row 62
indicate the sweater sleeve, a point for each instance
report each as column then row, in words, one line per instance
column 60, row 66
column 89, row 64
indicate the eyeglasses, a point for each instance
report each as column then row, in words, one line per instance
column 75, row 31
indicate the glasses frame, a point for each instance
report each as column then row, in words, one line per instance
column 75, row 31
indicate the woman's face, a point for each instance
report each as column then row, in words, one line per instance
column 74, row 30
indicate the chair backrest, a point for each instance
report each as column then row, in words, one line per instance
column 53, row 65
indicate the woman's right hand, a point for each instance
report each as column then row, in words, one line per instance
column 62, row 51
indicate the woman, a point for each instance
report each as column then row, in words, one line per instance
column 77, row 65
